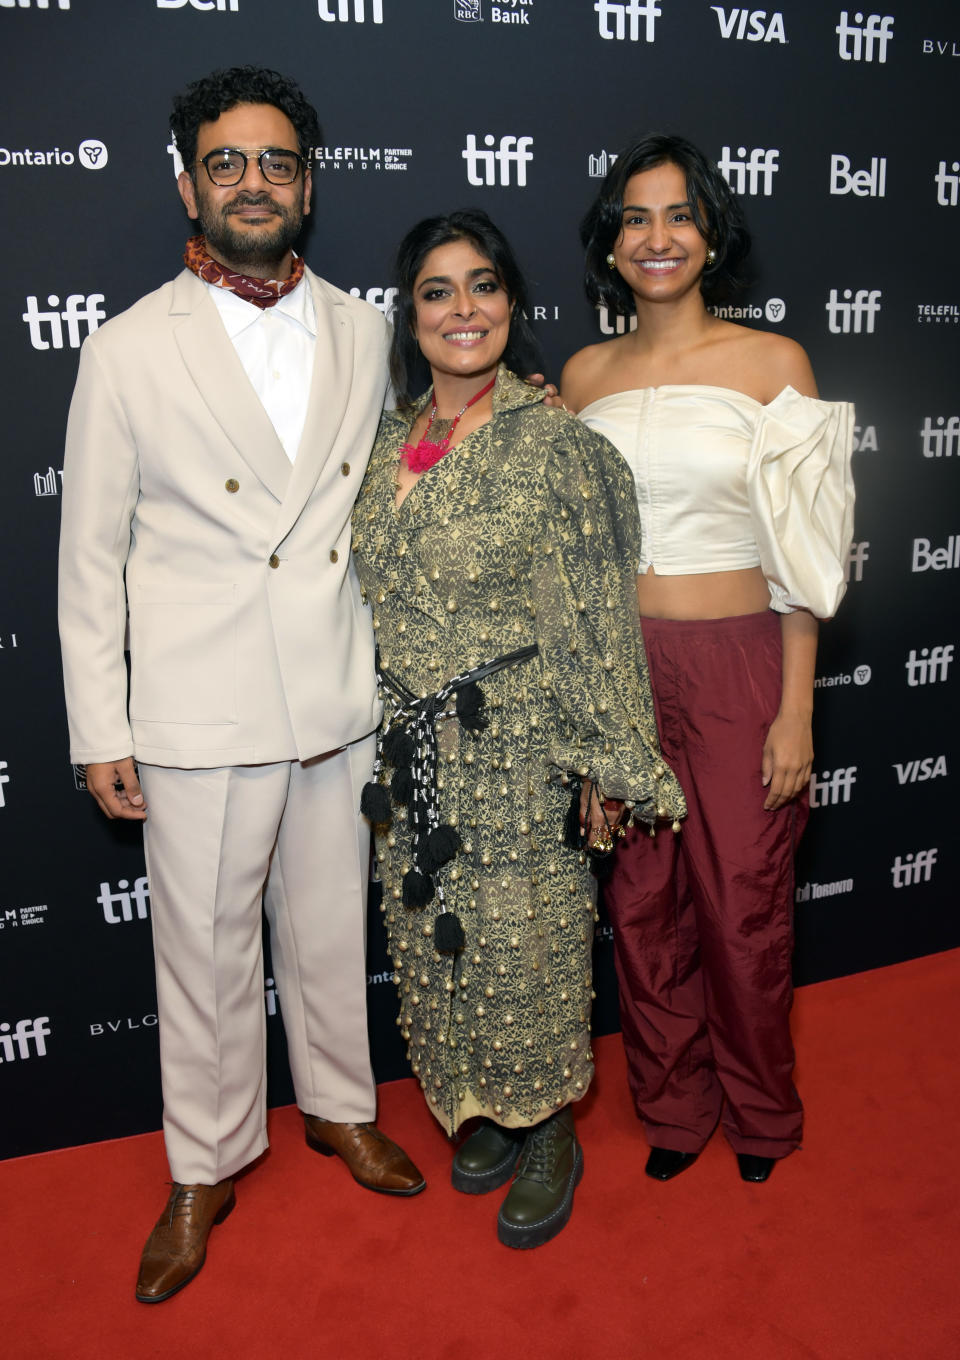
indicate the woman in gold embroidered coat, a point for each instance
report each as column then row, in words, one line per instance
column 525, row 534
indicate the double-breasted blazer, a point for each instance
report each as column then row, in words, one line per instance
column 249, row 641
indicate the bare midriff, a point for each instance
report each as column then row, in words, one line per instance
column 710, row 595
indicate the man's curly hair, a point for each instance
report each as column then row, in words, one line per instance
column 204, row 100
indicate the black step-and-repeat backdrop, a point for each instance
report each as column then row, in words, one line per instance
column 836, row 125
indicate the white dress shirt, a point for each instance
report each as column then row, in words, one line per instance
column 275, row 345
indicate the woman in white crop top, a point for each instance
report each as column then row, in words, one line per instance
column 743, row 483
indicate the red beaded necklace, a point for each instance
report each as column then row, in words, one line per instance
column 427, row 451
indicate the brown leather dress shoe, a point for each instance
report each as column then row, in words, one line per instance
column 373, row 1160
column 177, row 1247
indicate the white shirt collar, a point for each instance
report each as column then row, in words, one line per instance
column 237, row 314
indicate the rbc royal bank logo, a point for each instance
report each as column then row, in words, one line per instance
column 342, row 11
column 625, row 17
column 468, row 11
column 861, row 41
column 120, row 906
column 753, row 173
column 511, row 151
column 856, row 314
column 750, row 25
column 46, row 328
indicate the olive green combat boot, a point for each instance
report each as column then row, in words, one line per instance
column 486, row 1159
column 540, row 1201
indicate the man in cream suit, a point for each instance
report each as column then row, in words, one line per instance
column 217, row 437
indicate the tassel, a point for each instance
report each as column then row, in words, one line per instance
column 438, row 847
column 448, row 933
column 375, row 803
column 571, row 823
column 397, row 747
column 470, row 706
column 418, row 889
column 401, row 786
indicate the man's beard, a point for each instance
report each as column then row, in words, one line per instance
column 250, row 247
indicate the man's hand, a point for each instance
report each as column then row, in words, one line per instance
column 551, row 395
column 115, row 786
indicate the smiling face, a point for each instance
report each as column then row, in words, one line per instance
column 659, row 252
column 251, row 226
column 461, row 312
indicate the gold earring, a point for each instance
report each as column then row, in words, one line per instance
column 711, row 255
column 611, row 261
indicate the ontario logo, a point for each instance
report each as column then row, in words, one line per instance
column 91, row 154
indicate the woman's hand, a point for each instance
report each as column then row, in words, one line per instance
column 599, row 817
column 787, row 759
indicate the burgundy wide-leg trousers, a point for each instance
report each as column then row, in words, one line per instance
column 703, row 920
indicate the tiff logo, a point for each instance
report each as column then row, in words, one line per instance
column 344, row 7
column 913, row 868
column 24, row 1031
column 79, row 308
column 948, row 186
column 4, row 779
column 753, row 25
column 38, row 4
column 878, row 29
column 48, row 483
column 930, row 666
column 940, row 440
column 125, row 900
column 270, row 996
column 858, row 555
column 381, row 298
column 829, row 788
column 744, row 176
column 511, row 151
column 633, row 10
column 870, row 183
column 847, row 316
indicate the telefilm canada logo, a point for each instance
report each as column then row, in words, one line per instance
column 91, row 154
column 860, row 675
column 360, row 158
column 350, row 11
column 12, row 918
column 938, row 314
column 750, row 25
column 15, row 1039
column 619, row 20
column 864, row 38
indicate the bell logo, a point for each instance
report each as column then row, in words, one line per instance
column 858, row 555
column 124, row 900
column 80, row 309
column 751, row 25
column 222, row 5
column 343, row 8
column 856, row 314
column 620, row 13
column 24, row 1032
column 913, row 868
column 870, row 183
column 832, row 788
column 930, row 667
column 744, row 175
column 511, row 151
column 940, row 437
column 937, row 559
column 857, row 43
column 948, row 185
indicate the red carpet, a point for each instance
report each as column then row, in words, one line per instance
column 850, row 1250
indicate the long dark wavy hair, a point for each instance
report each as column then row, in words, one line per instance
column 204, row 100
column 716, row 213
column 409, row 370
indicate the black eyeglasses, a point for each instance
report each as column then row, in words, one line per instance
column 228, row 164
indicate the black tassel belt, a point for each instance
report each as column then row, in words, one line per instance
column 410, row 746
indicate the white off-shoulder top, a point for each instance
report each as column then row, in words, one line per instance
column 724, row 483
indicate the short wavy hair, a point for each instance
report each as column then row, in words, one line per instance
column 204, row 100
column 716, row 212
column 409, row 370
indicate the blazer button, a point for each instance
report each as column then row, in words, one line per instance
column 232, row 484
column 274, row 560
column 334, row 555
column 345, row 469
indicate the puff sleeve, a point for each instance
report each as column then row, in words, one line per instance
column 800, row 489
column 583, row 585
